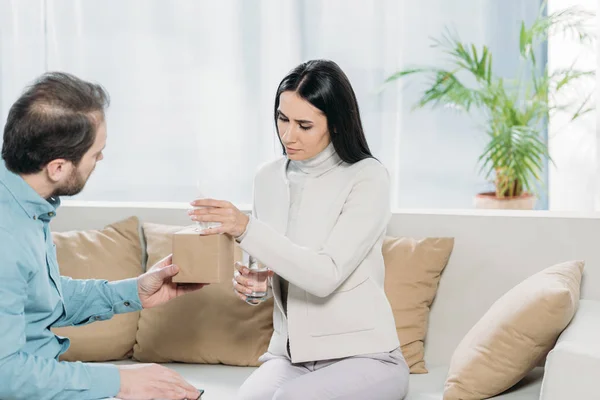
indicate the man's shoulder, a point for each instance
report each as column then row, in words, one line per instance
column 16, row 238
column 13, row 215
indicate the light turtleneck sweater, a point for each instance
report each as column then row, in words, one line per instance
column 297, row 174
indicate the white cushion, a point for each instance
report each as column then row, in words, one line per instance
column 431, row 386
column 573, row 366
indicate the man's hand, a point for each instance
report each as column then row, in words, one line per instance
column 151, row 381
column 156, row 286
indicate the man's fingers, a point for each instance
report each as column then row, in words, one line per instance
column 168, row 272
column 182, row 391
column 190, row 391
column 168, row 260
column 183, row 388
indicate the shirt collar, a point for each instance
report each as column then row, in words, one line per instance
column 30, row 201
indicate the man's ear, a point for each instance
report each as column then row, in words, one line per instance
column 58, row 169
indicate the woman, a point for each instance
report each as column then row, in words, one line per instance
column 320, row 216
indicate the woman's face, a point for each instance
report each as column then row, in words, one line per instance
column 302, row 127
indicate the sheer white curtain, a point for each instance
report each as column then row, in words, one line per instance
column 192, row 85
column 22, row 55
column 574, row 146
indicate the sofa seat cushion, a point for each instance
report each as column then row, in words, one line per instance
column 431, row 386
column 221, row 382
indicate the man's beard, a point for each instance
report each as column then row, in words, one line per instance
column 73, row 186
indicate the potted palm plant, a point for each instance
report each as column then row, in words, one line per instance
column 514, row 110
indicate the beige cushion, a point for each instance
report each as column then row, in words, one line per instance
column 210, row 326
column 113, row 253
column 412, row 272
column 517, row 331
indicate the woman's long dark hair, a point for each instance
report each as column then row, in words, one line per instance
column 324, row 85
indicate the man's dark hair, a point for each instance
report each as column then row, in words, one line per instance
column 56, row 117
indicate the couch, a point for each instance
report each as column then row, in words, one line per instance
column 493, row 252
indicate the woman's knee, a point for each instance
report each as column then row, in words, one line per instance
column 247, row 393
column 256, row 389
column 287, row 393
column 244, row 394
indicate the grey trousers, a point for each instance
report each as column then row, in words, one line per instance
column 382, row 376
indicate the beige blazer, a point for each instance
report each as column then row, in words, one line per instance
column 336, row 306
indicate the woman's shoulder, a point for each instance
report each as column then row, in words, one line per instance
column 368, row 168
column 275, row 166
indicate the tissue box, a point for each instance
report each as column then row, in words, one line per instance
column 204, row 259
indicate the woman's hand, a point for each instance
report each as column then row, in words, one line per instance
column 241, row 283
column 233, row 221
column 244, row 285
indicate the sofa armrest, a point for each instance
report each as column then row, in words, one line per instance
column 573, row 366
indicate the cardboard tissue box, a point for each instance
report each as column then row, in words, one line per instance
column 204, row 259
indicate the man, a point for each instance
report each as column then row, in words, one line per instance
column 54, row 136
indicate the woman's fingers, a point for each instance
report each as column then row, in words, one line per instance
column 211, row 203
column 211, row 218
column 241, row 268
column 240, row 287
column 241, row 279
column 211, row 211
column 215, row 231
column 241, row 296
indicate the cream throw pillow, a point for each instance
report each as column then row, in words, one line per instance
column 517, row 331
column 112, row 253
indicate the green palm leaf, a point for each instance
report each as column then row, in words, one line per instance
column 515, row 109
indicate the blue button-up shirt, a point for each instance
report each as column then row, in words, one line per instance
column 34, row 298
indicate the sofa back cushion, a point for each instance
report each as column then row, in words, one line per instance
column 413, row 269
column 493, row 252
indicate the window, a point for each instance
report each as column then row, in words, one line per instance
column 192, row 85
